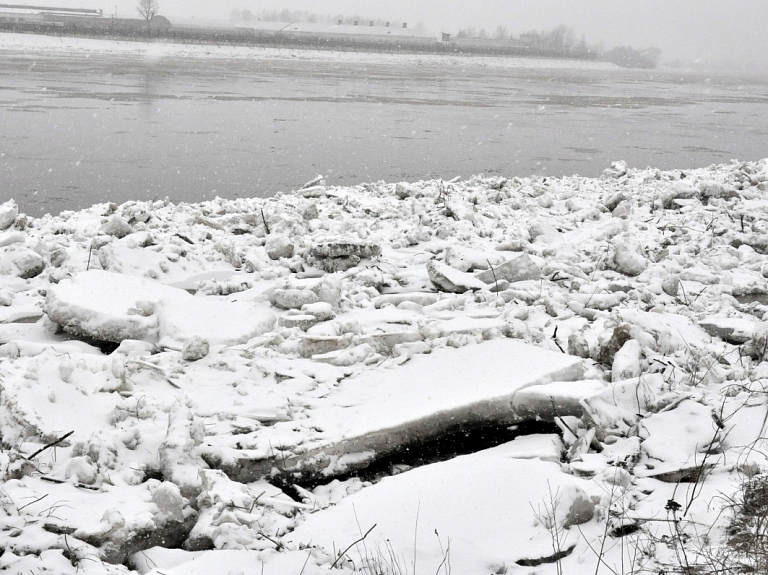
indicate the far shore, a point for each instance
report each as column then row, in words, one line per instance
column 26, row 43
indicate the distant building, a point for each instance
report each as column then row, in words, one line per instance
column 18, row 13
column 339, row 31
column 45, row 16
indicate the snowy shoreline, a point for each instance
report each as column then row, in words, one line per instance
column 225, row 368
column 35, row 44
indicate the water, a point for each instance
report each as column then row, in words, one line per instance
column 76, row 130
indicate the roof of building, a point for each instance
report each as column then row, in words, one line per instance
column 23, row 9
column 346, row 29
column 262, row 26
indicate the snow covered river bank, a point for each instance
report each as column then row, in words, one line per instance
column 194, row 388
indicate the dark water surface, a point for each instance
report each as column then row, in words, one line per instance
column 76, row 130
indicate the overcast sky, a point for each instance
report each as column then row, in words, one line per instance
column 713, row 31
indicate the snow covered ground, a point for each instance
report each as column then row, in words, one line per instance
column 194, row 388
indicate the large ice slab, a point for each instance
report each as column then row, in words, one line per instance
column 380, row 410
column 483, row 506
column 102, row 305
column 114, row 307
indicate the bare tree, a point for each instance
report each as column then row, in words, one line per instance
column 500, row 33
column 147, row 9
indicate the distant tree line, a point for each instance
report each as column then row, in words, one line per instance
column 564, row 41
column 560, row 41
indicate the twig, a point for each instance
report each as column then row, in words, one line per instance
column 495, row 279
column 150, row 365
column 589, row 300
column 557, row 416
column 277, row 544
column 263, row 219
column 302, row 567
column 51, row 444
column 32, row 502
column 256, row 501
column 446, row 554
column 557, row 343
column 699, row 294
column 415, row 536
column 90, row 249
column 159, row 369
column 61, row 481
column 352, row 545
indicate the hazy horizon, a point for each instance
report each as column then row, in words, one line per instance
column 702, row 32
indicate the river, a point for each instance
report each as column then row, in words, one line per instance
column 79, row 129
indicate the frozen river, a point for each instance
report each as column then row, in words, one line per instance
column 77, row 129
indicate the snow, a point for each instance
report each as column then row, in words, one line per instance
column 8, row 213
column 276, row 366
column 232, row 563
column 152, row 50
column 192, row 389
column 422, row 513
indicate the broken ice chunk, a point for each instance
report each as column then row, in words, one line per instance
column 451, row 280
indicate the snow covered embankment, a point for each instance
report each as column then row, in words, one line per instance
column 334, row 326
